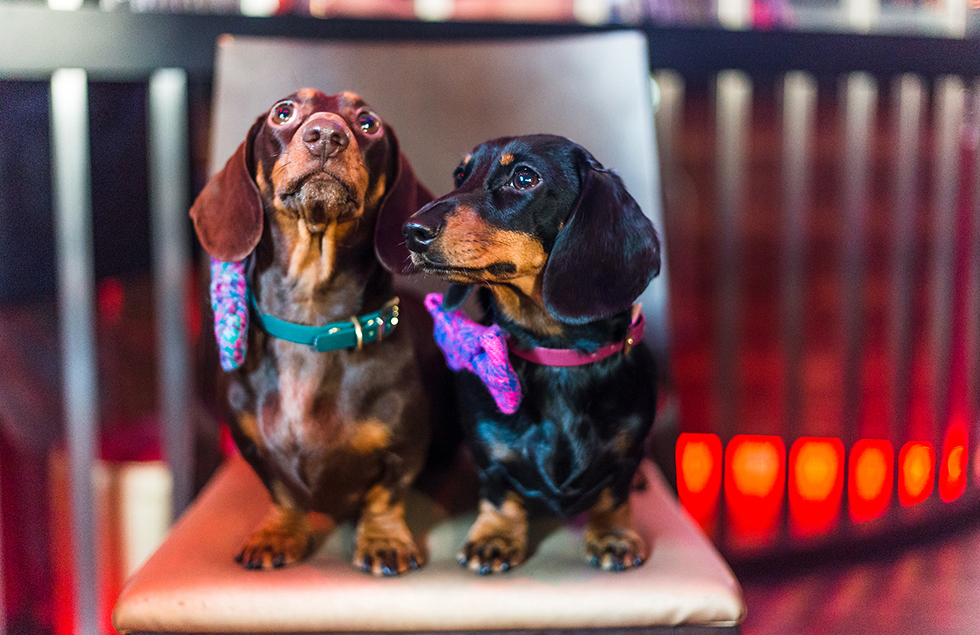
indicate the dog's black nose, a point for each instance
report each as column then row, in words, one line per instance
column 418, row 236
column 325, row 138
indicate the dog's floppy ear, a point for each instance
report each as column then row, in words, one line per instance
column 405, row 196
column 227, row 213
column 605, row 255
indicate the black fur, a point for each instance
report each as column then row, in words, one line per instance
column 578, row 430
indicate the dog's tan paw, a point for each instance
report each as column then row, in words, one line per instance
column 498, row 539
column 493, row 553
column 387, row 556
column 617, row 549
column 282, row 539
column 384, row 544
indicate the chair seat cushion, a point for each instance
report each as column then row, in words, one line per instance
column 192, row 583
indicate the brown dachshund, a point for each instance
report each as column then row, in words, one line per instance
column 315, row 197
column 556, row 414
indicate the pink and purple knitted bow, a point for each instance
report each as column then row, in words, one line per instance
column 481, row 350
column 229, row 301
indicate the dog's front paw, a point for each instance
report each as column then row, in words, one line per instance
column 498, row 539
column 387, row 555
column 282, row 538
column 384, row 544
column 617, row 549
column 493, row 553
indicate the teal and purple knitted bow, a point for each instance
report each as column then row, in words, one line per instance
column 229, row 302
column 481, row 350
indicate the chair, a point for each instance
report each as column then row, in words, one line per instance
column 443, row 99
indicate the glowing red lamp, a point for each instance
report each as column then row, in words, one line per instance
column 755, row 478
column 699, row 468
column 916, row 472
column 816, row 484
column 952, row 469
column 870, row 478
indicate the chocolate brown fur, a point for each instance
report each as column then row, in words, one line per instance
column 311, row 195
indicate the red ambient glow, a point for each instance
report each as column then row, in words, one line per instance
column 699, row 469
column 755, row 477
column 917, row 470
column 816, row 484
column 952, row 469
column 870, row 478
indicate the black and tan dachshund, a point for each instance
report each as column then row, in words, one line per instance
column 560, row 251
column 315, row 197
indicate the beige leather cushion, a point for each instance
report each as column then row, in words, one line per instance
column 192, row 583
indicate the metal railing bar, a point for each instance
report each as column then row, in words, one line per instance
column 799, row 116
column 73, row 220
column 733, row 114
column 907, row 106
column 948, row 118
column 168, row 183
column 973, row 311
column 38, row 40
column 860, row 100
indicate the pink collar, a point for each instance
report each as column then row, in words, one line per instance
column 571, row 357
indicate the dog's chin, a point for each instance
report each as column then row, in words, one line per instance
column 323, row 200
column 461, row 273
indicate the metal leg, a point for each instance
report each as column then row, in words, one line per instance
column 73, row 219
column 949, row 103
column 799, row 115
column 861, row 98
column 734, row 107
column 171, row 257
column 908, row 109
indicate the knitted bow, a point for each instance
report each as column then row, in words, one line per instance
column 230, row 306
column 481, row 350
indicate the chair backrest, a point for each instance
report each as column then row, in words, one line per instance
column 445, row 98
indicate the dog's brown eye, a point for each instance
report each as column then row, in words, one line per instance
column 283, row 112
column 524, row 178
column 458, row 177
column 368, row 122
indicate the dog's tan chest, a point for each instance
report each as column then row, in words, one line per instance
column 304, row 411
column 311, row 260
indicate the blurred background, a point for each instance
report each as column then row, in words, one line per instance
column 822, row 223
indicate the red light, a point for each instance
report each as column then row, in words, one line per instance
column 699, row 466
column 952, row 470
column 755, row 476
column 111, row 298
column 869, row 488
column 917, row 470
column 816, row 484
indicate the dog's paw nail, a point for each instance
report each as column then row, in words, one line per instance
column 239, row 557
column 504, row 566
column 366, row 563
column 413, row 564
column 387, row 571
column 637, row 561
column 484, row 569
column 279, row 561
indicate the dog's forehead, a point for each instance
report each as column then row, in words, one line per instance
column 317, row 101
column 507, row 151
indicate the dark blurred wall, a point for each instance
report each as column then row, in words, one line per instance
column 117, row 114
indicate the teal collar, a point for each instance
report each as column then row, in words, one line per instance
column 353, row 333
